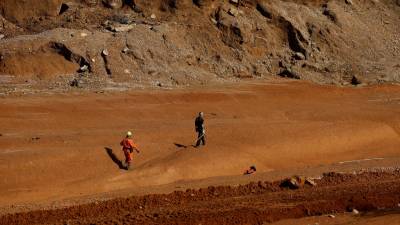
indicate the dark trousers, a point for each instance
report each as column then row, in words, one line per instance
column 201, row 138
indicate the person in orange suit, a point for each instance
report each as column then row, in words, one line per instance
column 127, row 147
column 251, row 170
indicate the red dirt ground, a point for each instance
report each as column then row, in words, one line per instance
column 255, row 203
column 52, row 150
column 373, row 218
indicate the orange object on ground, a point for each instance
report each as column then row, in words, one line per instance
column 251, row 170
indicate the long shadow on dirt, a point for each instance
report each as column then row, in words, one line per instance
column 114, row 158
column 180, row 145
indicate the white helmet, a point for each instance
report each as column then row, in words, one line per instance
column 129, row 134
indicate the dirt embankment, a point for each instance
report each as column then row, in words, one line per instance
column 254, row 203
column 170, row 43
column 52, row 147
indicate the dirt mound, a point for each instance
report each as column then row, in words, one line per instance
column 41, row 59
column 225, row 161
column 42, row 64
column 170, row 43
column 20, row 11
column 254, row 203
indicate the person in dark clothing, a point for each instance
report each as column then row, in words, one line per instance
column 201, row 131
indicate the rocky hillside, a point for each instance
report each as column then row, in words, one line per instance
column 196, row 42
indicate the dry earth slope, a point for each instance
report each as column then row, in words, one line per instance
column 91, row 43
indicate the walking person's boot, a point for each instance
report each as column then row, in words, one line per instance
column 127, row 165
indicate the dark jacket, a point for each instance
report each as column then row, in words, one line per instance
column 199, row 124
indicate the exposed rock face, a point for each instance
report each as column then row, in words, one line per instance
column 198, row 42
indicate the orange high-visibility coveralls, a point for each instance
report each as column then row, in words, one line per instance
column 128, row 146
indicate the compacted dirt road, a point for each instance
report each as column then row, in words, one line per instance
column 58, row 147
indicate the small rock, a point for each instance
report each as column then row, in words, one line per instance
column 105, row 52
column 122, row 19
column 84, row 68
column 2, row 36
column 140, row 207
column 125, row 50
column 91, row 3
column 106, row 23
column 74, row 83
column 262, row 185
column 332, row 216
column 233, row 12
column 234, row 1
column 355, row 80
column 84, row 34
column 294, row 182
column 349, row 2
column 299, row 56
column 289, row 73
column 93, row 60
column 126, row 71
column 355, row 212
column 114, row 4
column 192, row 195
column 122, row 28
column 153, row 16
column 310, row 182
column 35, row 138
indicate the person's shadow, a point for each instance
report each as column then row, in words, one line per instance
column 182, row 146
column 114, row 158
